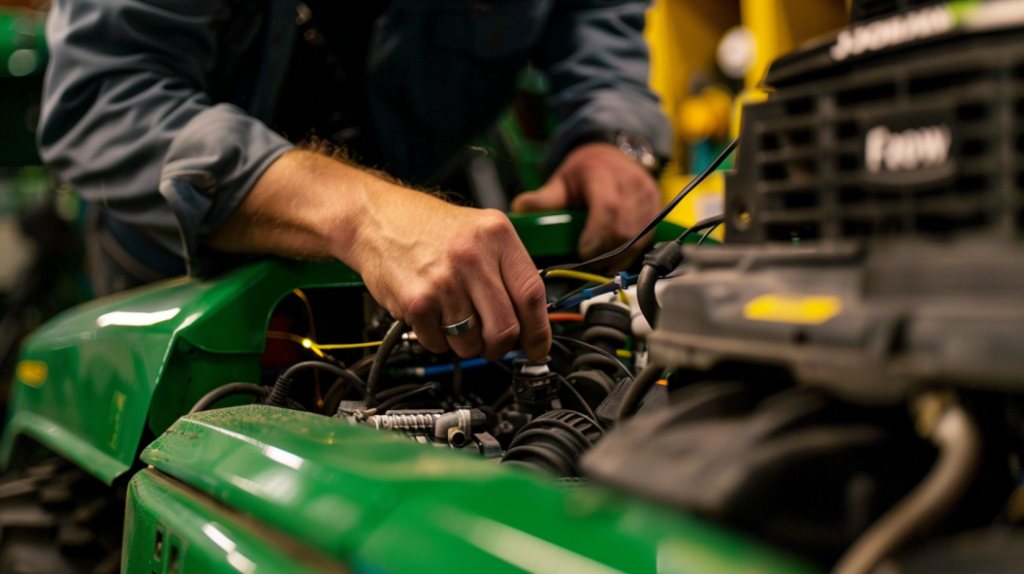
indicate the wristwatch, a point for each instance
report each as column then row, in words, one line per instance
column 634, row 146
column 638, row 149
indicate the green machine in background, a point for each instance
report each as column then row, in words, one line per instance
column 264, row 489
column 23, row 57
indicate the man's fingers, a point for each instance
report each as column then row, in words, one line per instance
column 498, row 321
column 529, row 299
column 469, row 344
column 551, row 196
column 422, row 312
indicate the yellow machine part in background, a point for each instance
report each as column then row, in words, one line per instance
column 683, row 36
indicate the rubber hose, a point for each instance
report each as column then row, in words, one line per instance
column 593, row 360
column 959, row 444
column 553, row 442
column 645, row 296
column 280, row 394
column 213, row 397
column 638, row 388
column 392, row 338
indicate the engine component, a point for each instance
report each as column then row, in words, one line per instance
column 457, row 426
column 795, row 467
column 607, row 326
column 592, row 386
column 553, row 442
column 989, row 551
column 412, row 422
column 868, row 325
column 657, row 262
column 951, row 429
column 535, row 387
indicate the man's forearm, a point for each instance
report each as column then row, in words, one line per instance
column 303, row 206
column 428, row 262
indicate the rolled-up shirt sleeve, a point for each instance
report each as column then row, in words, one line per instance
column 597, row 60
column 127, row 118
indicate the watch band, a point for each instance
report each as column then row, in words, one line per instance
column 633, row 146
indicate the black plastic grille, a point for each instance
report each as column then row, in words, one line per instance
column 802, row 171
column 867, row 9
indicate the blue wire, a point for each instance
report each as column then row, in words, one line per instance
column 435, row 370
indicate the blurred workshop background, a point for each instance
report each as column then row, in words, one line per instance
column 707, row 58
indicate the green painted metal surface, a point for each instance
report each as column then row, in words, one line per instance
column 117, row 362
column 172, row 528
column 550, row 234
column 387, row 504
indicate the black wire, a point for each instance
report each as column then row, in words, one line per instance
column 392, row 338
column 595, row 349
column 388, row 393
column 654, row 222
column 280, row 394
column 329, row 367
column 384, row 406
column 216, row 395
column 702, row 224
column 579, row 397
column 708, row 232
column 556, row 344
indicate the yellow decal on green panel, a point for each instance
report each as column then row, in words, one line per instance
column 32, row 373
column 793, row 308
column 116, row 414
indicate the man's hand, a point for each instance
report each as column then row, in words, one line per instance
column 428, row 262
column 620, row 195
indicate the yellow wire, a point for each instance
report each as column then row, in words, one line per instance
column 350, row 345
column 582, row 276
column 316, row 347
column 623, row 354
column 570, row 274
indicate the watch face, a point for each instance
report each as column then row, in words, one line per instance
column 637, row 149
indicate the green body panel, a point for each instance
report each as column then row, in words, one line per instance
column 552, row 234
column 107, row 374
column 202, row 536
column 387, row 504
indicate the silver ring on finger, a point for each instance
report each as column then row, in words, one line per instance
column 460, row 328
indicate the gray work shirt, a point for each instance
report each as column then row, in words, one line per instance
column 144, row 112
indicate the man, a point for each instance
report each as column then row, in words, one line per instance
column 160, row 112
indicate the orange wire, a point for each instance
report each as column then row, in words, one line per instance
column 557, row 317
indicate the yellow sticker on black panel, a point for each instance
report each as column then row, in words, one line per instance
column 793, row 308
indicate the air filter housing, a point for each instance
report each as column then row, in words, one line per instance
column 906, row 125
